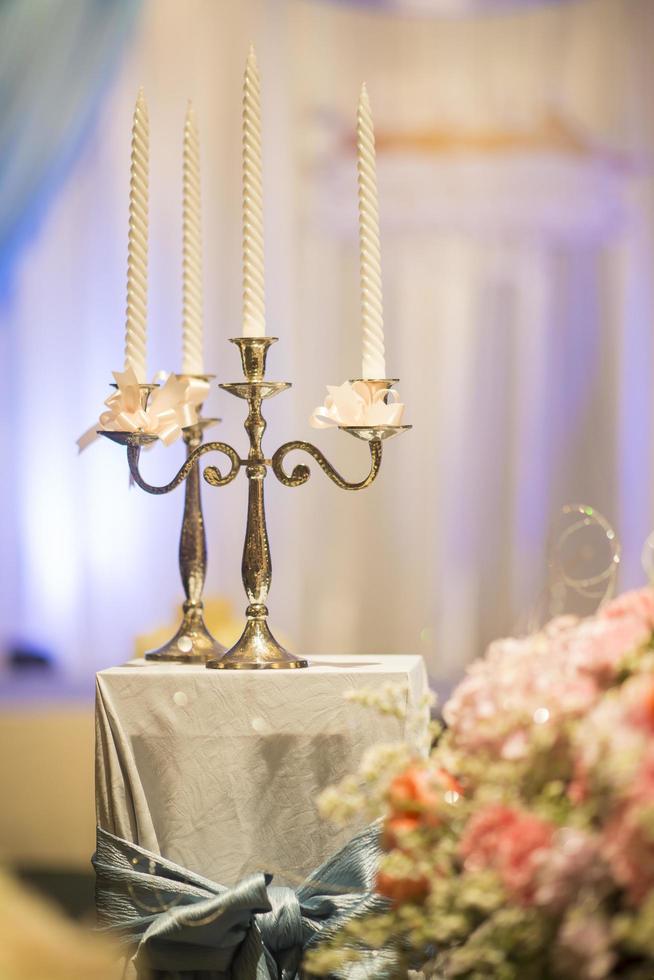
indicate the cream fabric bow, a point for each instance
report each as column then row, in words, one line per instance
column 170, row 408
column 358, row 403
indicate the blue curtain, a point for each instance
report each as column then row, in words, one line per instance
column 56, row 59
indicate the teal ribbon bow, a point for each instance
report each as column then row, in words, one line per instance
column 185, row 926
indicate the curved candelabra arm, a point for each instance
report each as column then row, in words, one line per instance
column 211, row 474
column 301, row 473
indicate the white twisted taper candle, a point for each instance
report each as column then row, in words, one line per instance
column 137, row 249
column 192, row 359
column 254, row 306
column 372, row 316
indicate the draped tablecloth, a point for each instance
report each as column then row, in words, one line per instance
column 219, row 771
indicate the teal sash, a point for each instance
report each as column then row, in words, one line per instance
column 181, row 926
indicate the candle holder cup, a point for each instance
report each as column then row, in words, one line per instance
column 257, row 648
column 370, row 432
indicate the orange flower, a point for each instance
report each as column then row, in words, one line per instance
column 401, row 824
column 415, row 798
column 401, row 890
column 419, row 791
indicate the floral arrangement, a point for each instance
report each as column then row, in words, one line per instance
column 522, row 846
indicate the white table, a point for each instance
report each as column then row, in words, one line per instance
column 219, row 770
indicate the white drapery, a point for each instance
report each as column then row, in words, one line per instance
column 522, row 334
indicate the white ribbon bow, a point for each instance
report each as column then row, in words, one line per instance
column 170, row 408
column 358, row 403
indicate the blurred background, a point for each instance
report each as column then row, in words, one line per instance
column 515, row 142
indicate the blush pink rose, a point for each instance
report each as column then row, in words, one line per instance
column 600, row 645
column 638, row 603
column 640, row 706
column 630, row 854
column 511, row 842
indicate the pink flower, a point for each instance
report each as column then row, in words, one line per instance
column 642, row 792
column 518, row 685
column 629, row 851
column 572, row 863
column 640, row 706
column 611, row 745
column 511, row 842
column 583, row 947
column 628, row 840
column 550, row 678
column 639, row 604
column 598, row 646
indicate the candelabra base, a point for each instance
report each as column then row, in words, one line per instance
column 192, row 643
column 257, row 649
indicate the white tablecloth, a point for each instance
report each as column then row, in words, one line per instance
column 219, row 770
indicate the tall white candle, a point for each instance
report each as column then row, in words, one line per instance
column 254, row 306
column 372, row 316
column 137, row 249
column 192, row 327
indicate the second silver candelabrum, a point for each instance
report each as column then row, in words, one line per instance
column 256, row 648
column 192, row 643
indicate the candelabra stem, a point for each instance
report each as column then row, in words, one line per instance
column 192, row 541
column 192, row 643
column 257, row 648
